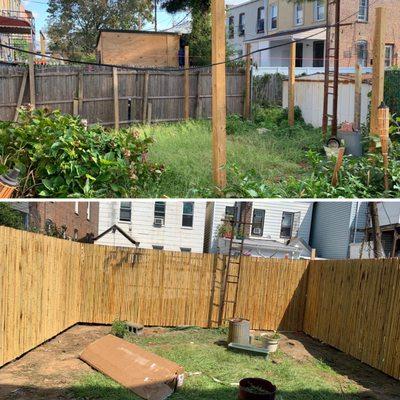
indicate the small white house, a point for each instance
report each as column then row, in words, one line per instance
column 277, row 229
column 159, row 225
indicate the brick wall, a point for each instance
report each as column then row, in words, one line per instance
column 358, row 31
column 78, row 225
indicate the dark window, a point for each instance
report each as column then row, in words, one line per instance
column 231, row 27
column 241, row 30
column 156, row 247
column 125, row 211
column 363, row 10
column 187, row 215
column 287, row 225
column 230, row 212
column 185, row 250
column 159, row 213
column 362, row 52
column 257, row 229
column 319, row 53
column 260, row 20
column 299, row 55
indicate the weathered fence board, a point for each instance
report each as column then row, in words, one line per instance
column 58, row 86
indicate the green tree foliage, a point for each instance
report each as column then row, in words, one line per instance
column 173, row 6
column 73, row 24
column 10, row 217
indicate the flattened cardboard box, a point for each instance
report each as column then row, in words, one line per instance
column 146, row 374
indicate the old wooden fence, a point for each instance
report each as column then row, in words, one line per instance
column 48, row 285
column 92, row 92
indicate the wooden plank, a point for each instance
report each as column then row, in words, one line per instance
column 21, row 95
column 80, row 93
column 339, row 162
column 116, row 98
column 292, row 82
column 357, row 97
column 145, row 96
column 198, row 97
column 378, row 74
column 219, row 93
column 247, row 98
column 187, row 84
column 32, row 88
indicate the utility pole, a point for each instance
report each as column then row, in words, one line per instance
column 155, row 16
column 376, row 231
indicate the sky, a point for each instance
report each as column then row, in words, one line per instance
column 39, row 9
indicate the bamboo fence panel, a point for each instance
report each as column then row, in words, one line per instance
column 355, row 306
column 58, row 86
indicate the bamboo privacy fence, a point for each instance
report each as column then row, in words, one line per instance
column 96, row 92
column 47, row 285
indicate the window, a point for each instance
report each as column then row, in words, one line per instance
column 77, row 207
column 362, row 52
column 156, row 247
column 187, row 215
column 363, row 10
column 159, row 213
column 273, row 16
column 231, row 26
column 125, row 211
column 75, row 234
column 257, row 229
column 88, row 212
column 319, row 10
column 389, row 53
column 260, row 20
column 298, row 14
column 287, row 225
column 186, row 250
column 230, row 212
column 241, row 30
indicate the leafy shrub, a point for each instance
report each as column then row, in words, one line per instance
column 119, row 328
column 59, row 157
column 392, row 90
column 10, row 217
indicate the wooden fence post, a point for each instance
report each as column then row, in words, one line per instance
column 149, row 112
column 198, row 98
column 116, row 97
column 145, row 97
column 378, row 79
column 339, row 162
column 357, row 99
column 247, row 99
column 32, row 89
column 218, row 92
column 292, row 81
column 21, row 95
column 187, row 84
column 383, row 130
column 80, row 93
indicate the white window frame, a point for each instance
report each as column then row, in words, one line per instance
column 187, row 214
column 77, row 207
column 130, row 211
column 389, row 61
column 272, row 15
column 363, row 11
column 242, row 24
column 291, row 214
column 260, row 17
column 157, row 214
column 262, row 227
column 317, row 5
column 88, row 211
column 298, row 7
column 364, row 62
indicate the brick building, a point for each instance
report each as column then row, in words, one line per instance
column 356, row 39
column 79, row 220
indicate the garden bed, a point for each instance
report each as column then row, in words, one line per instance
column 302, row 369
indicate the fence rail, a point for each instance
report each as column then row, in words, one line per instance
column 142, row 96
column 48, row 285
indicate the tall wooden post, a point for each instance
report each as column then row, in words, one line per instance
column 32, row 88
column 357, row 97
column 218, row 92
column 116, row 98
column 292, row 81
column 247, row 99
column 378, row 79
column 187, row 84
column 383, row 131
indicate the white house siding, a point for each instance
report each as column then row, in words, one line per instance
column 309, row 97
column 273, row 218
column 172, row 236
column 389, row 213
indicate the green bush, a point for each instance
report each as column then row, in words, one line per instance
column 392, row 91
column 119, row 328
column 10, row 217
column 59, row 157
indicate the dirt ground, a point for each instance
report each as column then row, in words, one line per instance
column 49, row 370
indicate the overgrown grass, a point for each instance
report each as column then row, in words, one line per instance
column 184, row 149
column 213, row 371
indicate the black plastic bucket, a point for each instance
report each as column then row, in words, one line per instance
column 256, row 389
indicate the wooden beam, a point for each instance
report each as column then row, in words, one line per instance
column 21, row 95
column 383, row 130
column 187, row 84
column 218, row 93
column 116, row 98
column 32, row 88
column 339, row 162
column 313, row 255
column 247, row 99
column 292, row 81
column 145, row 97
column 198, row 98
column 378, row 78
column 357, row 98
column 149, row 112
column 80, row 93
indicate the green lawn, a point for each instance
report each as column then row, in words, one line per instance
column 213, row 371
column 185, row 151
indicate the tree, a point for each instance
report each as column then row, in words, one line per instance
column 174, row 6
column 10, row 217
column 73, row 25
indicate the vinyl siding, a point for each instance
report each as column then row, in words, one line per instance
column 172, row 236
